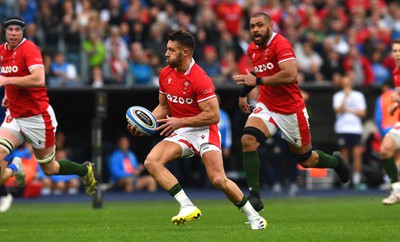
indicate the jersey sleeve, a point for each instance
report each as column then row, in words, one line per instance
column 160, row 82
column 285, row 52
column 33, row 57
column 205, row 88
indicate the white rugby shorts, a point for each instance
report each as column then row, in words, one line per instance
column 38, row 130
column 196, row 140
column 294, row 127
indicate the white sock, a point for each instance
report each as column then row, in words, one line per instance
column 248, row 210
column 182, row 199
column 396, row 186
column 356, row 177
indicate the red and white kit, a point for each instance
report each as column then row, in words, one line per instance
column 29, row 108
column 184, row 91
column 279, row 106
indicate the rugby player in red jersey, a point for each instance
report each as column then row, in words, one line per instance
column 29, row 115
column 391, row 141
column 279, row 106
column 188, row 114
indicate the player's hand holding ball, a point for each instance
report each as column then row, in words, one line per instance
column 141, row 122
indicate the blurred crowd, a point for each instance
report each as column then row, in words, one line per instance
column 122, row 42
column 100, row 43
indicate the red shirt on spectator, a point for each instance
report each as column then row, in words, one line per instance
column 232, row 14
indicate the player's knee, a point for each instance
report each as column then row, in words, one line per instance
column 304, row 159
column 151, row 163
column 252, row 137
column 218, row 181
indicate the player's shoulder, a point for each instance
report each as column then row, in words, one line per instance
column 197, row 73
column 27, row 44
column 165, row 71
column 278, row 40
column 252, row 47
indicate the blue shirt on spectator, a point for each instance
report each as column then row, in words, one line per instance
column 142, row 73
column 117, row 167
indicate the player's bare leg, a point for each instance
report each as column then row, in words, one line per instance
column 215, row 170
column 161, row 154
column 387, row 150
column 50, row 166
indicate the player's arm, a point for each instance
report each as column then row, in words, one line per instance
column 208, row 116
column 162, row 109
column 286, row 75
column 35, row 79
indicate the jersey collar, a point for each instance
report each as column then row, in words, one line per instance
column 6, row 46
column 190, row 67
column 269, row 41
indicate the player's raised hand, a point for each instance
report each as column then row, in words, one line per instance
column 247, row 79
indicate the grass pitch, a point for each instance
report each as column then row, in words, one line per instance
column 353, row 218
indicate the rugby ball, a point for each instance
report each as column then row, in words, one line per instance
column 142, row 119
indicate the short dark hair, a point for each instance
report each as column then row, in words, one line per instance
column 396, row 41
column 262, row 14
column 14, row 21
column 184, row 38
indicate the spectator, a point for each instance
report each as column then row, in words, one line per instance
column 125, row 170
column 71, row 33
column 381, row 73
column 309, row 62
column 97, row 79
column 115, row 41
column 211, row 65
column 139, row 65
column 332, row 65
column 350, row 107
column 360, row 65
column 27, row 9
column 231, row 12
column 31, row 34
column 112, row 14
column 229, row 67
column 95, row 49
column 49, row 22
column 65, row 73
column 117, row 67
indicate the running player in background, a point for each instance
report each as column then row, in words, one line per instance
column 280, row 106
column 29, row 115
column 391, row 141
column 188, row 114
